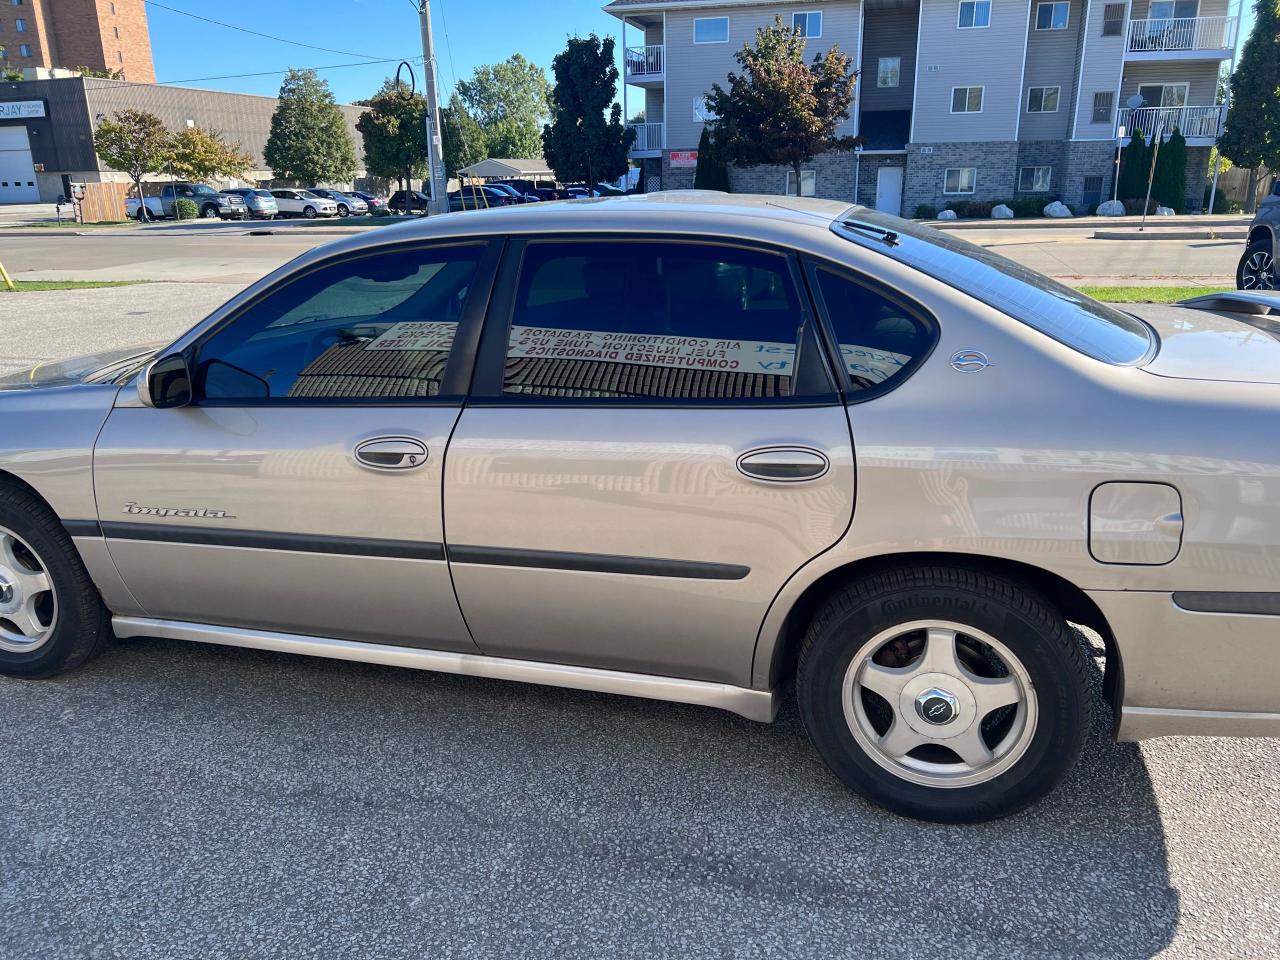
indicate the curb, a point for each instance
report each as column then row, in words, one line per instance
column 1230, row 233
column 1217, row 225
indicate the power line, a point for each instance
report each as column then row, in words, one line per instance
column 232, row 26
column 269, row 73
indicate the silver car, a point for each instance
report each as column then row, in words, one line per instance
column 696, row 448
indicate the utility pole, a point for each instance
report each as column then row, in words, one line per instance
column 435, row 155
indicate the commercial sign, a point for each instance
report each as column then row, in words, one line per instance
column 21, row 109
column 684, row 158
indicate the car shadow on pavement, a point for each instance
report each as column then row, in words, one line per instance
column 173, row 799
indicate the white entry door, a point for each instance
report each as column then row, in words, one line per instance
column 17, row 173
column 889, row 190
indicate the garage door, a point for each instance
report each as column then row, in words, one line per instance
column 17, row 174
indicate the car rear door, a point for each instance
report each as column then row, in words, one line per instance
column 653, row 446
column 301, row 490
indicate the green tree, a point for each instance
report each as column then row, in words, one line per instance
column 582, row 142
column 464, row 140
column 781, row 110
column 134, row 142
column 199, row 154
column 309, row 139
column 100, row 74
column 1169, row 185
column 509, row 100
column 1135, row 161
column 394, row 133
column 711, row 173
column 1251, row 137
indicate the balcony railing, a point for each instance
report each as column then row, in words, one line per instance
column 645, row 63
column 1182, row 34
column 1195, row 123
column 649, row 136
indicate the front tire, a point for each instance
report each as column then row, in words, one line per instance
column 51, row 617
column 944, row 694
column 1257, row 268
column 309, row 212
column 344, row 210
column 209, row 212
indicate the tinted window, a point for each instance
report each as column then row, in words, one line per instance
column 380, row 326
column 878, row 339
column 671, row 320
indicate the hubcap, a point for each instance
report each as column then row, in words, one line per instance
column 1259, row 272
column 28, row 603
column 939, row 703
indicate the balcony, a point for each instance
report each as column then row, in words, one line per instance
column 1185, row 38
column 1200, row 125
column 650, row 139
column 646, row 66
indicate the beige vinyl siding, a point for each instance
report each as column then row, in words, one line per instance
column 1103, row 59
column 692, row 69
column 989, row 57
column 1201, row 79
column 890, row 32
column 652, row 34
column 653, row 105
column 1052, row 58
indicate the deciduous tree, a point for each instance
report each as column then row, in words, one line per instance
column 199, row 154
column 1251, row 137
column 136, row 143
column 464, row 140
column 583, row 142
column 394, row 134
column 309, row 139
column 780, row 109
column 509, row 100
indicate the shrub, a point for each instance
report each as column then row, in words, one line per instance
column 1133, row 206
column 185, row 209
column 1221, row 202
column 1030, row 206
column 926, row 212
column 980, row 209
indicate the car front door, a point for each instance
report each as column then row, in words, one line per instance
column 652, row 447
column 300, row 491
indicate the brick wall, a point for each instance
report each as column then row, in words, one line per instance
column 996, row 164
column 1197, row 175
column 1041, row 153
column 102, row 35
column 868, row 174
column 1087, row 158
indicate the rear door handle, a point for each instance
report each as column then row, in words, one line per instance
column 783, row 464
column 392, row 453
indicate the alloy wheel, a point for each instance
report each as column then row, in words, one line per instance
column 1258, row 272
column 939, row 704
column 28, row 601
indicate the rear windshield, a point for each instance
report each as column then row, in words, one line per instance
column 1050, row 307
column 262, row 193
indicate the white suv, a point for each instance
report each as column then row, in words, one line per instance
column 304, row 203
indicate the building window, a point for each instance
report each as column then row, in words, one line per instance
column 889, row 73
column 116, row 31
column 808, row 24
column 119, row 57
column 974, row 13
column 24, row 50
column 1053, row 16
column 17, row 3
column 20, row 25
column 1102, row 101
column 1163, row 94
column 702, row 112
column 711, row 30
column 1035, row 179
column 1113, row 20
column 1043, row 99
column 966, row 99
column 808, row 183
column 959, row 179
column 113, row 9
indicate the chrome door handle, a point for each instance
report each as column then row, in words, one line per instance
column 783, row 464
column 392, row 453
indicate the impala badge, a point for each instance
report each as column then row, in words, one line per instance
column 202, row 513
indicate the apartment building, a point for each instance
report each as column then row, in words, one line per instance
column 956, row 99
column 98, row 34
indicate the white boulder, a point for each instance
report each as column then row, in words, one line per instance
column 1111, row 208
column 1001, row 212
column 1164, row 211
column 947, row 215
column 1057, row 209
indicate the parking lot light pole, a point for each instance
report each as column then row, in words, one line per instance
column 439, row 203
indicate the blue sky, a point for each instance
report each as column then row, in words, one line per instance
column 478, row 32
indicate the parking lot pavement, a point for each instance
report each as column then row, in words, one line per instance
column 174, row 800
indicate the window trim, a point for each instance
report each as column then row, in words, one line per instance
column 1019, row 188
column 487, row 381
column 808, row 13
column 1057, row 104
column 880, row 67
column 812, row 266
column 959, row 193
column 1110, row 108
column 973, row 26
column 1162, row 84
column 458, row 370
column 786, row 182
column 982, row 100
column 1051, row 27
column 1119, row 21
column 697, row 20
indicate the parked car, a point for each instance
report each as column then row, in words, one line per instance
column 1257, row 269
column 471, row 197
column 210, row 204
column 542, row 189
column 375, row 203
column 514, row 194
column 704, row 451
column 348, row 204
column 303, row 203
column 259, row 204
column 410, row 201
column 605, row 190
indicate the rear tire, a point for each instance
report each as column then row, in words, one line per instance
column 43, row 633
column 309, row 212
column 944, row 694
column 1257, row 268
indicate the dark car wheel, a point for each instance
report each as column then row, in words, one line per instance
column 309, row 212
column 51, row 617
column 1257, row 268
column 344, row 210
column 209, row 212
column 944, row 694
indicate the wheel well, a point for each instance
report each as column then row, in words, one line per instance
column 1258, row 233
column 1072, row 602
column 8, row 479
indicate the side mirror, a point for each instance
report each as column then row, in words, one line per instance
column 166, row 383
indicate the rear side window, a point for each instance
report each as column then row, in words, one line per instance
column 671, row 320
column 879, row 340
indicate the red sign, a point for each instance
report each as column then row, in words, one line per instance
column 684, row 158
